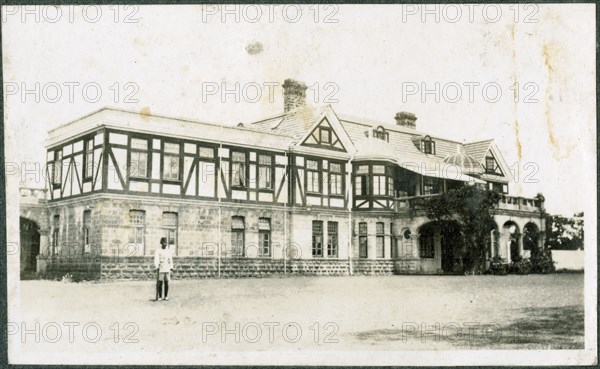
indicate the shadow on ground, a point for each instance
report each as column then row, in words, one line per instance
column 533, row 328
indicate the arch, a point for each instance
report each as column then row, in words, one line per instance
column 29, row 245
column 428, row 145
column 510, row 245
column 531, row 237
column 444, row 237
column 381, row 133
column 492, row 240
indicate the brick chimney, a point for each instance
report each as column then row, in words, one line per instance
column 294, row 95
column 406, row 119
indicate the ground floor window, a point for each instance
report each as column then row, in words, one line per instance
column 169, row 230
column 56, row 235
column 426, row 245
column 393, row 242
column 86, row 230
column 264, row 236
column 380, row 239
column 317, row 238
column 237, row 236
column 137, row 219
column 362, row 240
column 332, row 239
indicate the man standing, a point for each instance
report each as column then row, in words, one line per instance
column 163, row 262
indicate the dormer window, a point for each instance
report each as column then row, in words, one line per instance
column 428, row 145
column 381, row 134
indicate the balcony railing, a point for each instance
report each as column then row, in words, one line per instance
column 506, row 203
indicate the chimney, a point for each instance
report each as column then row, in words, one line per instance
column 294, row 95
column 406, row 119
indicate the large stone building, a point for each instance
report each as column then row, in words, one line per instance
column 306, row 191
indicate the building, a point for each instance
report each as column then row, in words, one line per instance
column 307, row 191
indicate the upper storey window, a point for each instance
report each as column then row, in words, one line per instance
column 238, row 169
column 491, row 165
column 428, row 145
column 325, row 135
column 139, row 158
column 381, row 134
column 57, row 168
column 171, row 162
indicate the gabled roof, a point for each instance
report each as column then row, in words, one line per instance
column 161, row 125
column 477, row 150
column 295, row 123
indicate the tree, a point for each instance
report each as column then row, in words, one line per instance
column 564, row 233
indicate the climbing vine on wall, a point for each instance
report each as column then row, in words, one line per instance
column 470, row 207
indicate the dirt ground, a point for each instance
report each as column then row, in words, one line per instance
column 82, row 322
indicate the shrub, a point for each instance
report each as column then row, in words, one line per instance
column 498, row 266
column 541, row 262
column 522, row 266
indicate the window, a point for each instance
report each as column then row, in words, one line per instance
column 360, row 185
column 381, row 134
column 498, row 187
column 491, row 165
column 360, row 181
column 431, row 185
column 379, row 181
column 428, row 145
column 317, row 238
column 238, row 169
column 362, row 240
column 378, row 185
column 57, row 168
column 264, row 172
column 237, row 236
column 138, row 166
column 325, row 135
column 312, row 176
column 137, row 221
column 169, row 230
column 393, row 242
column 335, row 178
column 426, row 246
column 264, row 236
column 332, row 239
column 171, row 162
column 87, row 220
column 88, row 169
column 380, row 239
column 207, row 152
column 390, row 182
column 56, row 235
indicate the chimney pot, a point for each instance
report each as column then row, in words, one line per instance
column 294, row 95
column 406, row 119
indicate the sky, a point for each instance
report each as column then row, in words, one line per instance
column 523, row 75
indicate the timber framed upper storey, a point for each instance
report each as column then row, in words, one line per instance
column 306, row 157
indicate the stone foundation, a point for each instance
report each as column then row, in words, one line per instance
column 80, row 268
column 107, row 268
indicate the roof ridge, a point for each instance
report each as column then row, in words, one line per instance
column 480, row 141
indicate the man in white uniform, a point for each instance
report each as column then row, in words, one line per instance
column 163, row 261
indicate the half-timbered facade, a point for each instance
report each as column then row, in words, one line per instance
column 307, row 186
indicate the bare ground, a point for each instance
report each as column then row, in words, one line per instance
column 304, row 313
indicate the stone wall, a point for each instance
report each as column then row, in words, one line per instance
column 80, row 268
column 373, row 267
column 110, row 268
column 141, row 268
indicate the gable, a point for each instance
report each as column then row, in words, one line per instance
column 495, row 153
column 491, row 165
column 324, row 136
